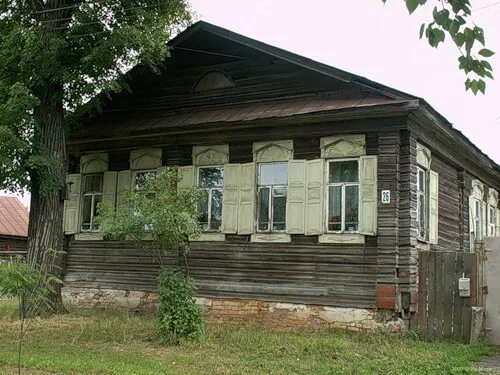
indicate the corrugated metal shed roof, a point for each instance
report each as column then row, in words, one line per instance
column 13, row 217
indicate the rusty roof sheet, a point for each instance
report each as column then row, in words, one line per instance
column 13, row 217
column 240, row 112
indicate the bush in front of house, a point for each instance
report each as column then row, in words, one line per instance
column 179, row 317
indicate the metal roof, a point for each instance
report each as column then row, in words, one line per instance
column 13, row 217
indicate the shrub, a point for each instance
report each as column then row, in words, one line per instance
column 179, row 317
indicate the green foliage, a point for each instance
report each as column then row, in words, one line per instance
column 453, row 18
column 179, row 317
column 155, row 216
column 57, row 57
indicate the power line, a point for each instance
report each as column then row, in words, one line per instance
column 486, row 6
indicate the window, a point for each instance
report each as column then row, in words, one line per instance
column 422, row 203
column 141, row 176
column 92, row 195
column 492, row 223
column 271, row 197
column 211, row 182
column 343, row 196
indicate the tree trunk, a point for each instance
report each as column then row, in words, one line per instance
column 45, row 233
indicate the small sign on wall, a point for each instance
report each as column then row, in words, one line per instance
column 386, row 196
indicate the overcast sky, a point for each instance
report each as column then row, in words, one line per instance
column 379, row 42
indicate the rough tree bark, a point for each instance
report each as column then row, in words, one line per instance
column 45, row 232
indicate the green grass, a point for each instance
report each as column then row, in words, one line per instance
column 110, row 342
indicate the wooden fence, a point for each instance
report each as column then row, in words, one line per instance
column 442, row 313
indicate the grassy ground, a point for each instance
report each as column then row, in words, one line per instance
column 107, row 342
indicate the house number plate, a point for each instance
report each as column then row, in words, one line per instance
column 386, row 196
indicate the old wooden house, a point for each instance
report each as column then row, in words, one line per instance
column 322, row 188
column 13, row 227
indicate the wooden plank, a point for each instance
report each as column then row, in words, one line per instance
column 423, row 291
column 458, row 301
column 431, row 321
column 467, row 311
column 449, row 293
column 439, row 295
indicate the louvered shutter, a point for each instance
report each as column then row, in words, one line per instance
column 72, row 204
column 368, row 195
column 498, row 224
column 433, row 207
column 230, row 198
column 484, row 219
column 472, row 227
column 246, row 206
column 314, row 197
column 295, row 212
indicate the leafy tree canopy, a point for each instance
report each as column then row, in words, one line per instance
column 69, row 50
column 453, row 18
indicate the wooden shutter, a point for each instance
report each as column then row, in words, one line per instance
column 72, row 204
column 498, row 224
column 230, row 198
column 187, row 177
column 314, row 197
column 124, row 182
column 472, row 228
column 433, row 207
column 109, row 187
column 161, row 169
column 246, row 206
column 484, row 219
column 368, row 195
column 295, row 212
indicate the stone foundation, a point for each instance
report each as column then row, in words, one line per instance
column 247, row 311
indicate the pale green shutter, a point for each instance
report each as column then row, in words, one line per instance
column 314, row 196
column 109, row 187
column 246, row 207
column 72, row 204
column 230, row 198
column 484, row 226
column 472, row 227
column 368, row 195
column 295, row 212
column 433, row 207
column 498, row 223
column 124, row 182
column 161, row 169
column 186, row 174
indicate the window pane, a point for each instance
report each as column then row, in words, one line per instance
column 97, row 200
column 203, row 210
column 421, row 215
column 140, row 178
column 273, row 174
column 263, row 205
column 344, row 171
column 93, row 183
column 351, row 208
column 86, row 212
column 279, row 209
column 216, row 219
column 211, row 176
column 335, row 208
column 421, row 180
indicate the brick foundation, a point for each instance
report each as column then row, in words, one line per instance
column 247, row 311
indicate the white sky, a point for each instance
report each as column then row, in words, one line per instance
column 379, row 42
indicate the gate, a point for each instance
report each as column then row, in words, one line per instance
column 442, row 312
column 492, row 290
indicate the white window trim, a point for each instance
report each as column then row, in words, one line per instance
column 477, row 219
column 210, row 190
column 426, row 204
column 327, row 196
column 492, row 225
column 271, row 206
column 93, row 195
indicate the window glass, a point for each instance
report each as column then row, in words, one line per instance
column 279, row 209
column 351, row 208
column 273, row 174
column 335, row 208
column 92, row 196
column 211, row 182
column 344, row 171
column 264, row 211
column 140, row 178
column 210, row 176
column 343, row 196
